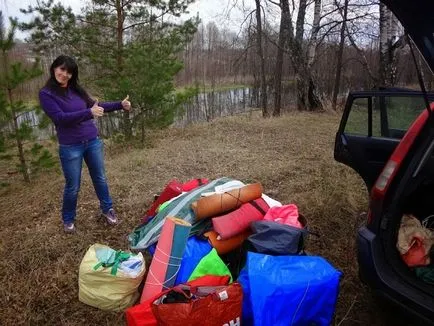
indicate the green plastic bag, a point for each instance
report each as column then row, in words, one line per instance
column 211, row 264
column 107, row 257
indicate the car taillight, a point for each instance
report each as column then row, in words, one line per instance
column 386, row 176
column 401, row 151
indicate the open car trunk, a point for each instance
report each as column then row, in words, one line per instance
column 417, row 200
column 413, row 204
column 417, row 226
column 416, row 16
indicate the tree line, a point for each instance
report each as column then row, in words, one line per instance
column 324, row 48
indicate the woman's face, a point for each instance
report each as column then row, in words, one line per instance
column 62, row 75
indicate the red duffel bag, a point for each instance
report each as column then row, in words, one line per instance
column 141, row 314
column 200, row 306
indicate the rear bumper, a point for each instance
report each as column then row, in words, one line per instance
column 374, row 271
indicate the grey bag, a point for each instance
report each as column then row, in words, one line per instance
column 273, row 238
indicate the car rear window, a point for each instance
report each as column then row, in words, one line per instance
column 358, row 120
column 401, row 112
column 383, row 116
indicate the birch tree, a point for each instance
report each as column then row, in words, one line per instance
column 390, row 41
column 303, row 57
column 260, row 53
column 285, row 23
column 336, row 85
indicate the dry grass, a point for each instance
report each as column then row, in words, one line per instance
column 291, row 156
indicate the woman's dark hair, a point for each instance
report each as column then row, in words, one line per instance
column 71, row 67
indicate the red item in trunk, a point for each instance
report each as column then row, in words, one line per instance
column 417, row 254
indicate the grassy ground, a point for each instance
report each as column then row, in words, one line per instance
column 291, row 156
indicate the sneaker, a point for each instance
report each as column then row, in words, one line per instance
column 69, row 227
column 110, row 217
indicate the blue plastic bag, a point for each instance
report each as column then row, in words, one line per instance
column 195, row 250
column 288, row 290
column 247, row 313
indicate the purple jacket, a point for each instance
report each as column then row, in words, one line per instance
column 71, row 116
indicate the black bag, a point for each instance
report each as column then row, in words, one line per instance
column 273, row 238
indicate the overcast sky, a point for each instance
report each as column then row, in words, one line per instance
column 209, row 10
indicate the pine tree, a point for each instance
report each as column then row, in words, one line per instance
column 128, row 47
column 16, row 135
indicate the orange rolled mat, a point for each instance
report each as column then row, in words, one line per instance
column 224, row 246
column 221, row 203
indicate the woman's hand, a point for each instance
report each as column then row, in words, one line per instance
column 126, row 104
column 96, row 110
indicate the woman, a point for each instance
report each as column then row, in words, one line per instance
column 72, row 111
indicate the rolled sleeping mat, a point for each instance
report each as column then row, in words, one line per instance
column 224, row 246
column 167, row 258
column 239, row 220
column 218, row 204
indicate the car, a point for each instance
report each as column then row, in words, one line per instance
column 387, row 137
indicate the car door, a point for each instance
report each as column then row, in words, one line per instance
column 371, row 127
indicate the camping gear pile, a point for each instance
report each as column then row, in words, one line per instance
column 224, row 253
column 416, row 245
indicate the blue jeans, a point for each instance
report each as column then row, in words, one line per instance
column 71, row 158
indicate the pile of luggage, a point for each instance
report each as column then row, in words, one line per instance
column 223, row 253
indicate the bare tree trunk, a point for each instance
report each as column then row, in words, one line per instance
column 211, row 62
column 389, row 43
column 120, row 44
column 311, row 51
column 202, row 51
column 422, row 74
column 198, row 52
column 260, row 53
column 384, row 29
column 395, row 41
column 313, row 98
column 307, row 98
column 283, row 37
column 340, row 53
column 298, row 58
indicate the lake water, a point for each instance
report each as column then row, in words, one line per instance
column 204, row 107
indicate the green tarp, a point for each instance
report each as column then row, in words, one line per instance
column 147, row 234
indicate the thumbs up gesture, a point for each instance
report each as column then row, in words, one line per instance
column 97, row 111
column 126, row 104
